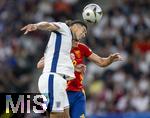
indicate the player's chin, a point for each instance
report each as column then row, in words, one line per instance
column 78, row 40
column 82, row 37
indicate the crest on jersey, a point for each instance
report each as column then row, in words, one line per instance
column 77, row 53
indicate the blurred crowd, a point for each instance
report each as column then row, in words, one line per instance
column 123, row 86
column 124, row 28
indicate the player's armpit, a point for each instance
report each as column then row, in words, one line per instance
column 40, row 63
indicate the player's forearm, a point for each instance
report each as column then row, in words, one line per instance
column 46, row 26
column 102, row 62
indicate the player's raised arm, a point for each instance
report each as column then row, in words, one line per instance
column 103, row 62
column 41, row 26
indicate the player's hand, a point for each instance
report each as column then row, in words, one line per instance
column 115, row 57
column 29, row 28
column 80, row 68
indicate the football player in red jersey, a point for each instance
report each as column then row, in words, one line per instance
column 75, row 90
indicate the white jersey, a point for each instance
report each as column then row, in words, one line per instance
column 57, row 54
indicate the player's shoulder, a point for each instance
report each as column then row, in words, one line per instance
column 63, row 27
column 85, row 49
column 82, row 45
column 62, row 24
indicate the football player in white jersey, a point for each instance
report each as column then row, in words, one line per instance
column 58, row 65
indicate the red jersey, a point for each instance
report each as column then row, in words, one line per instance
column 78, row 53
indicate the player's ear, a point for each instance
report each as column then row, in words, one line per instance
column 77, row 26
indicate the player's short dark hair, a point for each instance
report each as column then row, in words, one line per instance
column 72, row 22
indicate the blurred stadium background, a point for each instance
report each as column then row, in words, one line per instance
column 118, row 91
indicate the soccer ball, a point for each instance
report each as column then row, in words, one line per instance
column 92, row 13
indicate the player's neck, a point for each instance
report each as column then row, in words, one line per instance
column 75, row 44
